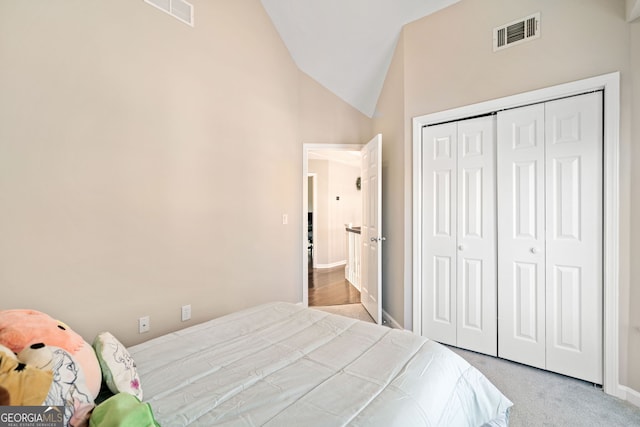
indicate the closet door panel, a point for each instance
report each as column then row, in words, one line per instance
column 439, row 183
column 476, row 261
column 521, row 236
column 574, row 236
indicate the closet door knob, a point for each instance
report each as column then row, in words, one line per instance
column 461, row 247
column 534, row 250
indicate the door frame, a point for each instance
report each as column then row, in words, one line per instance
column 305, row 207
column 314, row 180
column 610, row 83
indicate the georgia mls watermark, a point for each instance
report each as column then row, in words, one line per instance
column 31, row 416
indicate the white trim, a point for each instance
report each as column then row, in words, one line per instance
column 629, row 394
column 314, row 179
column 610, row 83
column 169, row 11
column 390, row 321
column 332, row 265
column 305, row 197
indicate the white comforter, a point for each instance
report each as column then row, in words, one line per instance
column 280, row 364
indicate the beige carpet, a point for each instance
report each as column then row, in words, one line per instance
column 542, row 398
column 355, row 311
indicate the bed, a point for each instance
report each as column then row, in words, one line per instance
column 281, row 364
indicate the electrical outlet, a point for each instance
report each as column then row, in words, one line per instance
column 186, row 312
column 144, row 324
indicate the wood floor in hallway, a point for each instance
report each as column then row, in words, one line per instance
column 328, row 286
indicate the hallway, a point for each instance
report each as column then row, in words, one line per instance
column 328, row 286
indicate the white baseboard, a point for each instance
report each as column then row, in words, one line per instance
column 630, row 395
column 390, row 321
column 335, row 264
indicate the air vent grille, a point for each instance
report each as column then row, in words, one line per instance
column 516, row 32
column 179, row 9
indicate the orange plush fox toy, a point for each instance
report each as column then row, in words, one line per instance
column 20, row 329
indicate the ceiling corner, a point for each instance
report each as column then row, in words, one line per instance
column 633, row 10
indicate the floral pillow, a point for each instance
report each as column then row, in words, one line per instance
column 118, row 368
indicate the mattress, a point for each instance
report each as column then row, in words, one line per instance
column 281, row 364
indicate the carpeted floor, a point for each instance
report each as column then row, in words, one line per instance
column 540, row 398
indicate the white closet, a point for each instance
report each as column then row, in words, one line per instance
column 549, row 160
column 459, row 256
column 525, row 183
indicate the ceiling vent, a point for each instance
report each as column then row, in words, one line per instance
column 179, row 9
column 516, row 32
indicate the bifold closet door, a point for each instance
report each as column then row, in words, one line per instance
column 550, row 235
column 574, row 134
column 439, row 234
column 459, row 235
column 521, row 235
column 476, row 228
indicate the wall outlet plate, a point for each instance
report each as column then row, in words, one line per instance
column 186, row 312
column 144, row 324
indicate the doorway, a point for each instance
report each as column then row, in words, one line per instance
column 370, row 233
column 334, row 205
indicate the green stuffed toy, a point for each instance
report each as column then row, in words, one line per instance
column 123, row 410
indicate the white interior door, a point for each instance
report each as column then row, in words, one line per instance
column 550, row 235
column 521, row 235
column 459, row 248
column 574, row 236
column 371, row 263
column 439, row 234
column 476, row 257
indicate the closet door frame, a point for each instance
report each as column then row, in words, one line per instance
column 610, row 84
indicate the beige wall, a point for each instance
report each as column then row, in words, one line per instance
column 347, row 210
column 325, row 119
column 396, row 198
column 145, row 164
column 448, row 62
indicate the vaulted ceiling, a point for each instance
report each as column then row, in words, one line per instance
column 347, row 45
